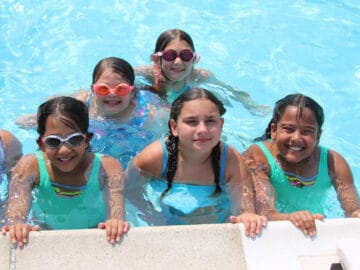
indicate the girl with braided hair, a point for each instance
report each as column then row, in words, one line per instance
column 206, row 180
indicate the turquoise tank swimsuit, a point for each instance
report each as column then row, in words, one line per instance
column 85, row 210
column 189, row 203
column 123, row 140
column 290, row 198
column 172, row 95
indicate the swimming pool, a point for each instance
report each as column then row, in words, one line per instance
column 267, row 49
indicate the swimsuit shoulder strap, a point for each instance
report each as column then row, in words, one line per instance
column 94, row 175
column 44, row 178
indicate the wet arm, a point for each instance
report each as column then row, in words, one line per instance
column 343, row 182
column 242, row 196
column 23, row 180
column 12, row 150
column 113, row 182
column 113, row 177
column 236, row 94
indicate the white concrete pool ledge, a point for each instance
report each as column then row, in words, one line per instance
column 220, row 246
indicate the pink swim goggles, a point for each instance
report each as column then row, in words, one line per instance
column 121, row 89
column 185, row 55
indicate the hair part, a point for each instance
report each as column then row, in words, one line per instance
column 169, row 35
column 301, row 102
column 117, row 65
column 72, row 112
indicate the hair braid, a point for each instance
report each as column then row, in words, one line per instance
column 215, row 158
column 172, row 148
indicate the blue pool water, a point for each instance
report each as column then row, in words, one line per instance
column 267, row 48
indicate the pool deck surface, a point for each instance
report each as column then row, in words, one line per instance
column 218, row 246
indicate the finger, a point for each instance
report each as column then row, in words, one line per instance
column 12, row 233
column 35, row 228
column 247, row 227
column 101, row 225
column 4, row 230
column 254, row 227
column 126, row 227
column 234, row 219
column 25, row 233
column 318, row 216
column 114, row 232
column 261, row 224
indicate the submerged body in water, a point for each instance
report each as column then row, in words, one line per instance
column 124, row 139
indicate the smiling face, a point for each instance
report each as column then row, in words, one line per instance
column 64, row 158
column 112, row 105
column 296, row 135
column 198, row 126
column 176, row 70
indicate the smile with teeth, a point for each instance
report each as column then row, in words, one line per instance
column 64, row 159
column 112, row 102
column 295, row 148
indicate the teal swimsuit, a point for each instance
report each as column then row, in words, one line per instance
column 289, row 198
column 172, row 95
column 59, row 212
column 189, row 203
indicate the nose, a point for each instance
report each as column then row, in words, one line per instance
column 296, row 135
column 64, row 147
column 178, row 59
column 202, row 127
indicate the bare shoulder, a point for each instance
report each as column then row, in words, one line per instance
column 150, row 159
column 111, row 164
column 27, row 169
column 338, row 166
column 144, row 70
column 9, row 140
column 255, row 153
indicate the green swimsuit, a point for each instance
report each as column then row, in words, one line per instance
column 85, row 210
column 289, row 198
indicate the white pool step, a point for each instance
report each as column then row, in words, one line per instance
column 220, row 246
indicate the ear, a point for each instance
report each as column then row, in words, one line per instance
column 273, row 131
column 173, row 127
column 318, row 137
column 155, row 58
column 88, row 137
column 196, row 58
column 40, row 144
column 92, row 89
column 222, row 122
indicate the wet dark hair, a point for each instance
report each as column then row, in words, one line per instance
column 72, row 112
column 301, row 102
column 116, row 65
column 167, row 36
column 173, row 142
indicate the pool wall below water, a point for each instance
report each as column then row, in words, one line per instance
column 219, row 246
